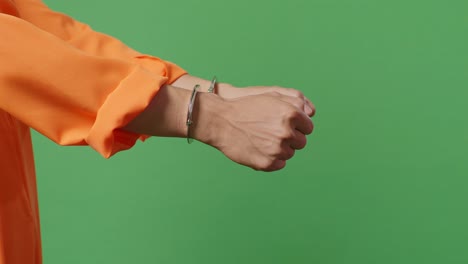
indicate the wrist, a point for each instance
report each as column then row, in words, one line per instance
column 225, row 90
column 208, row 115
column 187, row 82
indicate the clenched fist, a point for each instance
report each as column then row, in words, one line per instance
column 262, row 130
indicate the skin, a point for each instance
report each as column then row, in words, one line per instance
column 259, row 127
column 228, row 91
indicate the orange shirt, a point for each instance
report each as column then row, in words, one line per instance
column 73, row 85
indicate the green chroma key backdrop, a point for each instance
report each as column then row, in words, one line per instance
column 383, row 179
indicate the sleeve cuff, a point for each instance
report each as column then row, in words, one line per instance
column 153, row 64
column 130, row 98
column 171, row 70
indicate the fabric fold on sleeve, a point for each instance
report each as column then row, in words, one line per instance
column 68, row 95
column 83, row 37
column 129, row 99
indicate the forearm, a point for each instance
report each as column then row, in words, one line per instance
column 166, row 115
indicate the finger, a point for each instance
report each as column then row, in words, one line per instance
column 302, row 103
column 302, row 123
column 268, row 164
column 277, row 165
column 311, row 106
column 287, row 152
column 301, row 120
column 294, row 101
column 295, row 98
column 308, row 109
column 299, row 141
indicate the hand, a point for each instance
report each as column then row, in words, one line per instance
column 261, row 131
column 229, row 91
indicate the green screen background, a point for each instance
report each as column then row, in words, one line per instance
column 382, row 180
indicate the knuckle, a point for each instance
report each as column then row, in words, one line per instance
column 311, row 127
column 289, row 153
column 301, row 142
column 287, row 134
column 274, row 165
column 292, row 114
column 308, row 129
column 283, row 153
column 294, row 104
column 301, row 145
column 299, row 103
column 271, row 165
column 277, row 165
column 263, row 164
column 277, row 151
column 256, row 167
column 296, row 93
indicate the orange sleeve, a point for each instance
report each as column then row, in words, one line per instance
column 70, row 96
column 83, row 37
